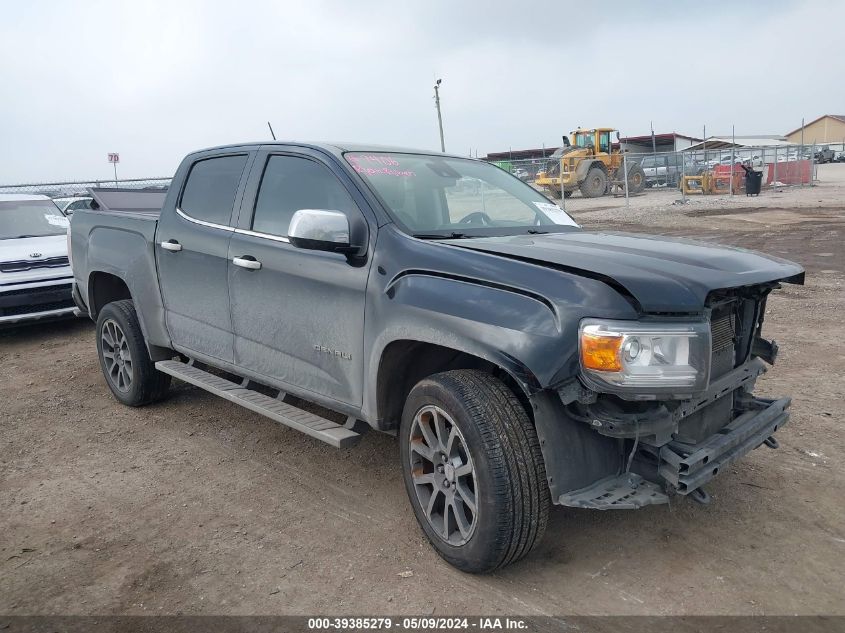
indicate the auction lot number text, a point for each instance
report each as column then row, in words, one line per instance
column 416, row 624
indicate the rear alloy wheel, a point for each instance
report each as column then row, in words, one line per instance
column 130, row 373
column 117, row 359
column 473, row 470
column 595, row 184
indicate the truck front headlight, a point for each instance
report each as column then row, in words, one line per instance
column 634, row 356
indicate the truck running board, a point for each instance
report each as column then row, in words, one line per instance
column 309, row 423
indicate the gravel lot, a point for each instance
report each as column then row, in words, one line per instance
column 197, row 506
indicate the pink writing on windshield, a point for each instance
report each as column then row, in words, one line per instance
column 378, row 165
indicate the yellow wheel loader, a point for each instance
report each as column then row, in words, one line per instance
column 588, row 162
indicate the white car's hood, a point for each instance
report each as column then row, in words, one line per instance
column 33, row 249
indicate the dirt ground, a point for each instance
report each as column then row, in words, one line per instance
column 196, row 506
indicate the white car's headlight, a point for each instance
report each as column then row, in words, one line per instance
column 69, row 256
column 633, row 356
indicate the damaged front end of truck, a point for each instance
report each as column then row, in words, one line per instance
column 662, row 405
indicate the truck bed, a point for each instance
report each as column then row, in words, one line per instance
column 144, row 202
column 119, row 243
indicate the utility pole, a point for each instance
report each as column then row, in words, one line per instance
column 653, row 142
column 439, row 116
column 801, row 155
column 733, row 157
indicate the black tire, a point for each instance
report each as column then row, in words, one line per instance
column 510, row 487
column 636, row 179
column 567, row 193
column 146, row 384
column 595, row 184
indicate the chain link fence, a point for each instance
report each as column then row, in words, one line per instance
column 698, row 171
column 663, row 177
column 80, row 188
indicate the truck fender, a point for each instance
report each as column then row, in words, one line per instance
column 445, row 311
column 130, row 257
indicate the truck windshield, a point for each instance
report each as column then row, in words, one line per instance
column 437, row 196
column 30, row 218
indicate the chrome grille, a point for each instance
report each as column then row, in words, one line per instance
column 722, row 336
column 722, row 332
column 31, row 264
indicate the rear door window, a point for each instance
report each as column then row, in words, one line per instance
column 210, row 190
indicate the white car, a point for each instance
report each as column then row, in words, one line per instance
column 69, row 205
column 723, row 160
column 521, row 173
column 35, row 274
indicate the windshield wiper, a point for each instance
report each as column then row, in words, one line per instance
column 440, row 236
column 536, row 232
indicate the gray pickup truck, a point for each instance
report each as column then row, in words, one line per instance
column 521, row 360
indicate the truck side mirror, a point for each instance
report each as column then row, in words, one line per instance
column 320, row 230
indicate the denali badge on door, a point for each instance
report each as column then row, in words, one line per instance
column 334, row 352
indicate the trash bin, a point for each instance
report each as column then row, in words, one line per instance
column 753, row 181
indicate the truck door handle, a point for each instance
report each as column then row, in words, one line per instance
column 171, row 245
column 247, row 261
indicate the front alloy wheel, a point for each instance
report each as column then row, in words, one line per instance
column 473, row 469
column 443, row 474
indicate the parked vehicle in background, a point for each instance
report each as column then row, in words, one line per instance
column 35, row 275
column 840, row 157
column 69, row 205
column 825, row 155
column 668, row 168
column 795, row 155
column 519, row 359
column 521, row 173
column 739, row 158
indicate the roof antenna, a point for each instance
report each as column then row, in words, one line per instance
column 273, row 134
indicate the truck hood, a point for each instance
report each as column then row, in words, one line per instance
column 662, row 274
column 33, row 249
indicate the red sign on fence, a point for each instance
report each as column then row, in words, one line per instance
column 114, row 158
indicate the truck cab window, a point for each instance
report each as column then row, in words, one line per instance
column 291, row 183
column 209, row 193
column 583, row 139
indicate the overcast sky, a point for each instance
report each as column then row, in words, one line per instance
column 154, row 80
